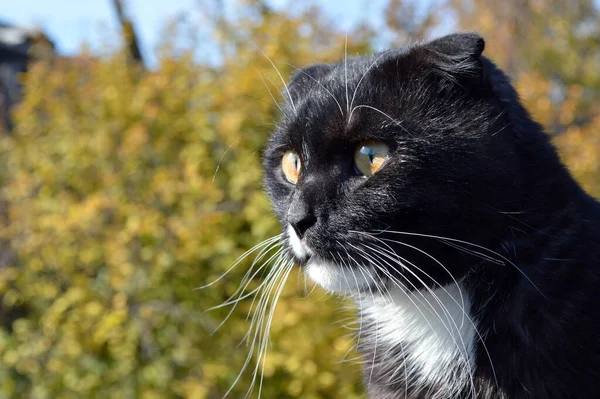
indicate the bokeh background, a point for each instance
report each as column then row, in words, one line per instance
column 130, row 175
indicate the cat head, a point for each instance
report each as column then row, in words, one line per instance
column 382, row 165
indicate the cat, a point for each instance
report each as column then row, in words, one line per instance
column 414, row 181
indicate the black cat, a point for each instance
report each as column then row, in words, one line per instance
column 415, row 181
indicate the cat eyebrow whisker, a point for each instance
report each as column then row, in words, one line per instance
column 346, row 73
column 282, row 80
column 321, row 85
column 396, row 122
column 367, row 71
column 269, row 89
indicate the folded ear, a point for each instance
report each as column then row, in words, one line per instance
column 456, row 56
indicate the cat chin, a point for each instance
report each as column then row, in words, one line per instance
column 339, row 279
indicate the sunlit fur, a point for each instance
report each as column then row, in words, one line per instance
column 472, row 254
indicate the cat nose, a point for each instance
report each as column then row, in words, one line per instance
column 301, row 217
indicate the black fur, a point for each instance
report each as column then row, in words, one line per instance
column 466, row 162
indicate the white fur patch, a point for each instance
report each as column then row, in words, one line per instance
column 298, row 247
column 330, row 276
column 437, row 336
column 335, row 278
column 434, row 328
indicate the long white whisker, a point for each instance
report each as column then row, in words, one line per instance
column 282, row 80
column 268, row 328
column 322, row 86
column 245, row 282
column 432, row 293
column 473, row 253
column 465, row 315
column 346, row 75
column 269, row 90
column 239, row 260
column 462, row 299
column 365, row 74
column 474, row 245
column 462, row 346
column 261, row 306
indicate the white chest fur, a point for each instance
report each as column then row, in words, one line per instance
column 434, row 330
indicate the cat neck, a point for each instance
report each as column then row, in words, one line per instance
column 418, row 341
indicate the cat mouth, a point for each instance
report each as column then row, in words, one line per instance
column 330, row 275
column 300, row 251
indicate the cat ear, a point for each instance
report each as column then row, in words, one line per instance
column 456, row 56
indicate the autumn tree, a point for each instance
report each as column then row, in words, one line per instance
column 127, row 189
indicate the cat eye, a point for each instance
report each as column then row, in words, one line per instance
column 290, row 164
column 369, row 157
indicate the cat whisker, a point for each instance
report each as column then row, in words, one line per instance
column 474, row 253
column 240, row 298
column 394, row 279
column 321, row 85
column 243, row 285
column 276, row 267
column 268, row 326
column 261, row 307
column 263, row 326
column 474, row 245
column 346, row 74
column 463, row 347
column 269, row 89
column 376, row 330
column 219, row 163
column 395, row 122
column 287, row 90
column 247, row 280
column 462, row 299
column 405, row 289
column 461, row 307
column 365, row 74
column 240, row 259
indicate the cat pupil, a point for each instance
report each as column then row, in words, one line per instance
column 369, row 152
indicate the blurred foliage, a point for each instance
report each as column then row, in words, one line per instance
column 125, row 189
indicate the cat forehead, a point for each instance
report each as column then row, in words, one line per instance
column 321, row 128
column 337, row 110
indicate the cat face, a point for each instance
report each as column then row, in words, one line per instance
column 382, row 165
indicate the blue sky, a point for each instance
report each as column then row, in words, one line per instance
column 73, row 22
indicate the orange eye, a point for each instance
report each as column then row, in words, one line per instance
column 290, row 163
column 370, row 156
